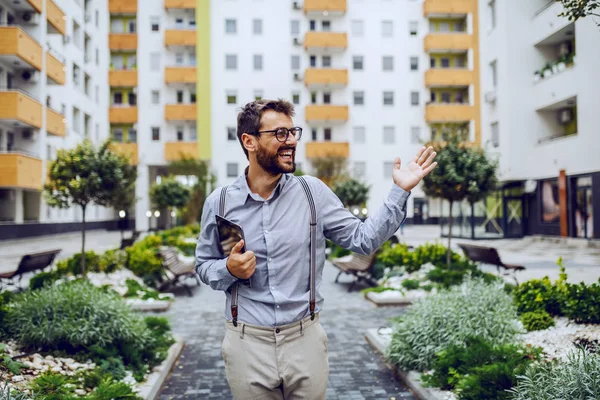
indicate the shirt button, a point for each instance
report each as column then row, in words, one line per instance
column 270, row 259
column 272, row 287
column 277, row 305
column 277, row 330
column 266, row 232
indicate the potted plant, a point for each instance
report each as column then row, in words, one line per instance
column 537, row 76
column 562, row 64
column 547, row 71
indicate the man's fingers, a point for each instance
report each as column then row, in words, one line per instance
column 247, row 256
column 429, row 169
column 424, row 155
column 238, row 247
column 429, row 160
column 397, row 163
column 419, row 154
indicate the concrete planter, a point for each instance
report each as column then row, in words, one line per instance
column 150, row 389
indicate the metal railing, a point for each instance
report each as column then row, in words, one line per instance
column 22, row 91
column 55, row 53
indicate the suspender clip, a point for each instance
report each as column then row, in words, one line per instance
column 234, row 314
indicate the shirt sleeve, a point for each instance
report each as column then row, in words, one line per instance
column 210, row 265
column 348, row 231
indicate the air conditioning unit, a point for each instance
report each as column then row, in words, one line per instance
column 297, row 77
column 30, row 18
column 296, row 5
column 297, row 41
column 30, row 76
column 565, row 116
column 490, row 97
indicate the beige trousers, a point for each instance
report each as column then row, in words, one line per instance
column 285, row 362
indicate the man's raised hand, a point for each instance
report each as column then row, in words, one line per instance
column 416, row 170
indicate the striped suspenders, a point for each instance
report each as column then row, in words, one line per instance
column 313, row 249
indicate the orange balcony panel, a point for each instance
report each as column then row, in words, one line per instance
column 188, row 4
column 449, row 77
column 326, row 113
column 123, row 78
column 180, row 37
column 320, row 6
column 36, row 4
column 180, row 112
column 448, row 41
column 175, row 151
column 325, row 77
column 55, row 70
column 122, row 6
column 122, row 41
column 180, row 75
column 325, row 40
column 20, row 108
column 15, row 42
column 55, row 123
column 327, row 149
column 449, row 113
column 56, row 17
column 128, row 149
column 20, row 171
column 123, row 115
column 445, row 7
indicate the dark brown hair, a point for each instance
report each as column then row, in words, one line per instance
column 248, row 120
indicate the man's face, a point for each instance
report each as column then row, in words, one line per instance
column 273, row 156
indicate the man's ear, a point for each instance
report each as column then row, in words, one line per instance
column 249, row 142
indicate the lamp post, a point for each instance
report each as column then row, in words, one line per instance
column 122, row 215
column 149, row 215
column 156, row 215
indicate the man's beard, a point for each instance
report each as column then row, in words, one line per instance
column 272, row 163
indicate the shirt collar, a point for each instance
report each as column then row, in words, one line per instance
column 247, row 193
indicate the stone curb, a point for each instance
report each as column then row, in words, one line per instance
column 156, row 306
column 388, row 302
column 150, row 389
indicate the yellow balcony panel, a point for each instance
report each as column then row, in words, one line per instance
column 327, row 149
column 55, row 70
column 325, row 78
column 36, row 4
column 55, row 123
column 17, row 46
column 122, row 7
column 449, row 77
column 122, row 41
column 20, row 109
column 123, row 78
column 326, row 113
column 123, row 115
column 20, row 171
column 180, row 37
column 180, row 74
column 175, row 151
column 128, row 149
column 180, row 112
column 325, row 7
column 448, row 42
column 325, row 40
column 449, row 113
column 56, row 17
column 448, row 7
column 187, row 4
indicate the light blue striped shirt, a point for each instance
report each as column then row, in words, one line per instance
column 277, row 230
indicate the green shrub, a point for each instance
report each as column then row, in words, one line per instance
column 144, row 261
column 337, row 251
column 377, row 289
column 110, row 389
column 6, row 393
column 536, row 320
column 112, row 260
column 42, row 279
column 473, row 309
column 72, row 266
column 434, row 253
column 538, row 295
column 411, row 284
column 134, row 288
column 53, row 386
column 582, row 303
column 7, row 363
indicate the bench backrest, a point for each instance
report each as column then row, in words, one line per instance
column 361, row 262
column 483, row 254
column 171, row 261
column 36, row 261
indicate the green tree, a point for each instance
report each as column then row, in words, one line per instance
column 85, row 175
column 169, row 194
column 352, row 192
column 330, row 169
column 463, row 173
column 575, row 9
column 205, row 183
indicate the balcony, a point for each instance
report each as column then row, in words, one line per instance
column 326, row 113
column 546, row 22
column 16, row 46
column 434, row 8
column 325, row 78
column 180, row 75
column 448, row 42
column 128, row 149
column 449, row 77
column 175, row 151
column 55, row 69
column 20, row 109
column 327, row 149
column 557, row 86
column 330, row 8
column 123, row 115
column 180, row 112
column 55, row 123
column 56, row 18
column 20, row 171
column 186, row 4
column 325, row 41
column 122, row 41
column 123, row 78
column 440, row 112
column 36, row 5
column 180, row 37
column 123, row 7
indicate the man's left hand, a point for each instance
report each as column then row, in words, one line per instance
column 417, row 169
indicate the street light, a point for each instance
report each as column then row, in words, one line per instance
column 157, row 213
column 122, row 213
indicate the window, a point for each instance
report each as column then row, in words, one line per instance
column 231, row 98
column 154, row 61
column 432, row 62
column 326, row 98
column 179, row 130
column 313, row 61
column 76, row 74
column 132, row 99
column 358, row 63
column 132, row 26
column 389, row 135
column 231, row 26
column 387, row 28
column 155, row 133
column 495, row 135
column 97, row 19
column 388, row 167
column 493, row 73
column 357, row 28
column 295, row 63
column 444, row 27
column 313, row 98
column 155, row 23
column 193, row 97
column 313, row 134
column 117, row 135
column 179, row 23
column 180, row 97
column 414, row 98
column 414, row 63
column 97, row 94
column 359, row 98
column 155, row 95
column 192, row 59
column 257, row 27
column 76, row 120
column 413, row 28
column 492, row 12
column 388, row 63
column 258, row 62
column 459, row 26
column 327, row 134
column 296, row 98
column 312, row 25
column 360, row 170
column 192, row 23
column 433, row 97
column 295, row 27
column 459, row 62
column 445, row 62
column 231, row 62
column 231, row 133
column 232, row 170
column 326, row 26
column 459, row 97
column 117, row 98
column 358, row 134
column 388, row 98
column 326, row 61
column 132, row 136
column 97, row 56
column 415, row 135
column 179, row 59
column 445, row 97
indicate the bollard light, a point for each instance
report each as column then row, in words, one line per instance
column 157, row 213
column 122, row 213
column 173, row 214
column 148, row 213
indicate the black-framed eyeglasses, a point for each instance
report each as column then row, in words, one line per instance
column 282, row 134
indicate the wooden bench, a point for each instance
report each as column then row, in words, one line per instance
column 358, row 265
column 29, row 263
column 176, row 269
column 489, row 255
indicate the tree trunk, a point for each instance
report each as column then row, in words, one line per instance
column 83, row 243
column 449, row 252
